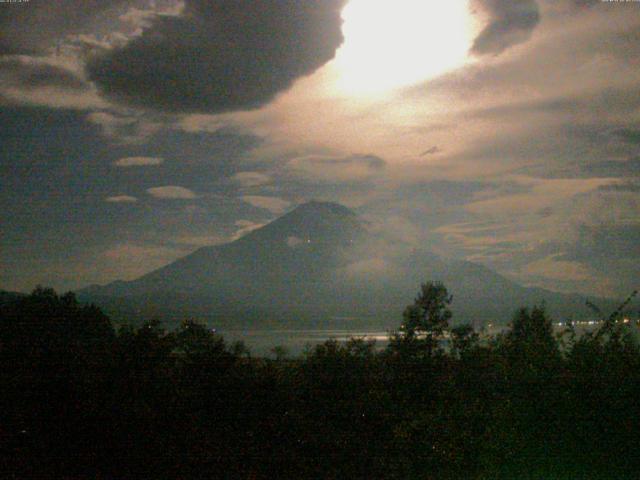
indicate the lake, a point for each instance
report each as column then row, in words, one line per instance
column 260, row 342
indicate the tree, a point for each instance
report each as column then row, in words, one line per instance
column 463, row 339
column 531, row 340
column 429, row 315
column 280, row 352
column 44, row 322
column 533, row 328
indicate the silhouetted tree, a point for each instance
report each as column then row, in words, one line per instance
column 55, row 357
column 427, row 317
column 280, row 352
column 463, row 339
column 531, row 339
column 78, row 401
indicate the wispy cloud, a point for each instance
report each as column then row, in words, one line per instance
column 131, row 259
column 125, row 127
column 244, row 227
column 273, row 204
column 172, row 192
column 199, row 240
column 251, row 179
column 337, row 169
column 121, row 199
column 138, row 161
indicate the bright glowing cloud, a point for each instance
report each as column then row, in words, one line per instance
column 393, row 43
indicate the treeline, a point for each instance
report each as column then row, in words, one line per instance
column 80, row 400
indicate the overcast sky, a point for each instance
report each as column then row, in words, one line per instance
column 500, row 131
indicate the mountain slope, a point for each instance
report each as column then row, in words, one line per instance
column 316, row 263
column 302, row 246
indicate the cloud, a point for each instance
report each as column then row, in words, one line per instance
column 251, row 179
column 138, row 161
column 373, row 267
column 607, row 241
column 337, row 169
column 621, row 187
column 611, row 250
column 293, row 241
column 244, row 227
column 34, row 26
column 431, row 151
column 45, row 81
column 199, row 240
column 221, row 55
column 127, row 129
column 32, row 73
column 629, row 135
column 122, row 199
column 510, row 22
column 132, row 260
column 553, row 267
column 569, row 235
column 108, row 123
column 172, row 192
column 273, row 204
column 627, row 168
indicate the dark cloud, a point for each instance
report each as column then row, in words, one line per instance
column 31, row 27
column 221, row 55
column 545, row 212
column 547, row 106
column 586, row 3
column 510, row 22
column 615, row 168
column 621, row 187
column 431, row 151
column 585, row 169
column 370, row 161
column 628, row 135
column 30, row 74
column 602, row 242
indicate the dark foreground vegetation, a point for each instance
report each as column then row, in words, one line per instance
column 80, row 400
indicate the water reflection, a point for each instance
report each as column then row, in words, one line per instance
column 260, row 342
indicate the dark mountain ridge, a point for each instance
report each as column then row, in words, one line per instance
column 317, row 265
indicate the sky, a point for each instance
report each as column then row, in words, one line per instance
column 504, row 132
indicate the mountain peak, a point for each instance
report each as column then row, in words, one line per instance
column 318, row 207
column 314, row 219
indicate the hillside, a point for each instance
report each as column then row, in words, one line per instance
column 318, row 265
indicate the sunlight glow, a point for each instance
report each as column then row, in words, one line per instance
column 395, row 43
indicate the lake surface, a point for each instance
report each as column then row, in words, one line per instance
column 260, row 342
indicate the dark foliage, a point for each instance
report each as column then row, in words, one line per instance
column 82, row 401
